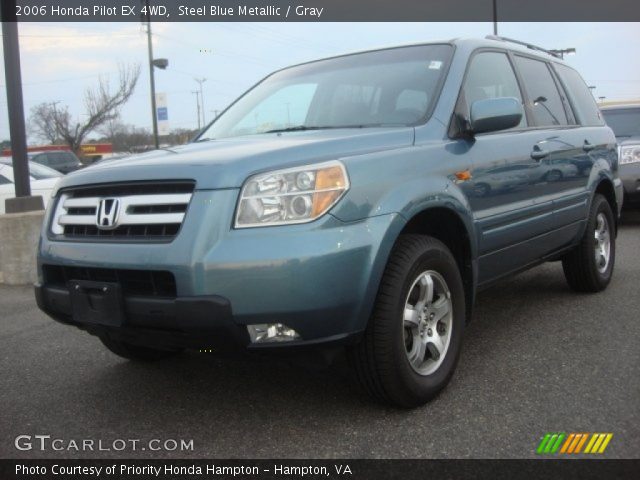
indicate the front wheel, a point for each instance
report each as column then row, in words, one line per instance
column 413, row 339
column 589, row 266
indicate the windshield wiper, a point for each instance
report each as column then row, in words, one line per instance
column 297, row 128
column 301, row 128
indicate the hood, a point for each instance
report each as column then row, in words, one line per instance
column 226, row 163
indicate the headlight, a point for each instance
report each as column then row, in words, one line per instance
column 294, row 195
column 629, row 154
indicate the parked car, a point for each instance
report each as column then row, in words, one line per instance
column 334, row 206
column 62, row 161
column 43, row 179
column 624, row 120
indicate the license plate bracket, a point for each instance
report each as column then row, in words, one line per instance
column 99, row 303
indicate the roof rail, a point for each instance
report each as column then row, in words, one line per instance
column 528, row 45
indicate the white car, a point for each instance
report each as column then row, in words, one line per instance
column 43, row 179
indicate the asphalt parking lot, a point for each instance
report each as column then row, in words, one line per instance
column 537, row 358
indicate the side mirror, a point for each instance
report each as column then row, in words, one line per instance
column 494, row 114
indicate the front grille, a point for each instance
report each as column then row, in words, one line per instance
column 155, row 283
column 153, row 211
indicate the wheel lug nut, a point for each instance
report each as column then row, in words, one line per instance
column 429, row 332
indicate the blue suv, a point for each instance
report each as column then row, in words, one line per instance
column 358, row 202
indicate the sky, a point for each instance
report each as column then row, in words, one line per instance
column 61, row 60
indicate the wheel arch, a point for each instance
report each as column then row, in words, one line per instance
column 607, row 190
column 448, row 226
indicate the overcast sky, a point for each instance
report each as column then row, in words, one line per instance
column 59, row 61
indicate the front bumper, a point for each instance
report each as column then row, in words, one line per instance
column 165, row 323
column 319, row 278
column 630, row 176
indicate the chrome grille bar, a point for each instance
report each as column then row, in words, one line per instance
column 134, row 210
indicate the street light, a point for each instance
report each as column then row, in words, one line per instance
column 561, row 52
column 160, row 63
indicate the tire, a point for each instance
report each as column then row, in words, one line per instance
column 584, row 266
column 136, row 352
column 381, row 360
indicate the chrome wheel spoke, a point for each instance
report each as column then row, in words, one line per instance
column 416, row 356
column 436, row 346
column 427, row 320
column 440, row 308
column 426, row 289
column 411, row 317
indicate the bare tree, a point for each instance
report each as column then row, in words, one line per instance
column 42, row 123
column 125, row 138
column 101, row 106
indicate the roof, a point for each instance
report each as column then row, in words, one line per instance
column 489, row 41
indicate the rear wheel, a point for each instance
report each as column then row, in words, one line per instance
column 136, row 352
column 412, row 342
column 589, row 266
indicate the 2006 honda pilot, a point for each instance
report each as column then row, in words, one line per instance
column 355, row 202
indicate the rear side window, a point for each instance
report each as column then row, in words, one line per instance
column 580, row 96
column 544, row 97
column 490, row 75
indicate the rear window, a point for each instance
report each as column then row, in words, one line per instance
column 580, row 96
column 544, row 97
column 625, row 122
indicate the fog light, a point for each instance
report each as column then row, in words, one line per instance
column 271, row 332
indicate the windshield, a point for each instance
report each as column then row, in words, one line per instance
column 624, row 122
column 394, row 87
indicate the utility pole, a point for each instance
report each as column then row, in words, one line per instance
column 152, row 79
column 15, row 106
column 197, row 94
column 200, row 82
column 495, row 17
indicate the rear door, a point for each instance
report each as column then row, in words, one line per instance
column 562, row 148
column 593, row 141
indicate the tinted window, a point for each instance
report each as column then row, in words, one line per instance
column 490, row 76
column 625, row 122
column 41, row 159
column 58, row 159
column 580, row 96
column 546, row 103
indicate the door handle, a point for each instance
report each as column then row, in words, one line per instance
column 587, row 147
column 538, row 154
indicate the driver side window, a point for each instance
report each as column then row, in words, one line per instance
column 490, row 75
